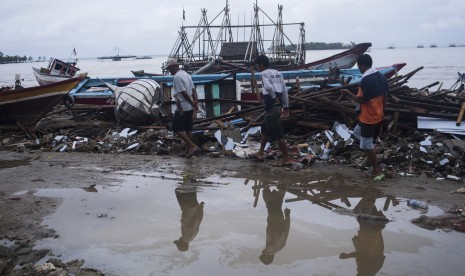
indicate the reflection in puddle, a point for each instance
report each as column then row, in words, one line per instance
column 179, row 225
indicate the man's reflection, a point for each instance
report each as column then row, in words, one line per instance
column 191, row 216
column 277, row 229
column 369, row 243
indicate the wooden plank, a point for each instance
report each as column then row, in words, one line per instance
column 393, row 127
column 312, row 125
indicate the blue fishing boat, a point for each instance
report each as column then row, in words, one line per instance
column 93, row 93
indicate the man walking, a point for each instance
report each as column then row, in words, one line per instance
column 371, row 96
column 186, row 104
column 276, row 103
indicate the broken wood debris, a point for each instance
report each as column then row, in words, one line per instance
column 314, row 116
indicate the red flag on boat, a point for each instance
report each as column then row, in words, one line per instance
column 74, row 52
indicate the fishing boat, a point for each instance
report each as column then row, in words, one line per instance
column 142, row 73
column 92, row 93
column 217, row 95
column 214, row 49
column 57, row 70
column 26, row 106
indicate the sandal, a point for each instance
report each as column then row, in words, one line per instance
column 256, row 158
column 379, row 177
column 192, row 153
column 283, row 164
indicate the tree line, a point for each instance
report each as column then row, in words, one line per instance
column 17, row 59
column 325, row 46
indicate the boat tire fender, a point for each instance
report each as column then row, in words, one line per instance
column 68, row 101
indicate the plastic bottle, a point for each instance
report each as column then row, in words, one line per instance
column 417, row 203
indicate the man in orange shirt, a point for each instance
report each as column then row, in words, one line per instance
column 371, row 96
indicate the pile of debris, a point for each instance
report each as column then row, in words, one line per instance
column 319, row 127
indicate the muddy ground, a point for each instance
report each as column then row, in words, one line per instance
column 21, row 214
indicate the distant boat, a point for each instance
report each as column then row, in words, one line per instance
column 420, row 46
column 27, row 106
column 144, row 57
column 434, row 45
column 116, row 57
column 452, row 45
column 391, row 46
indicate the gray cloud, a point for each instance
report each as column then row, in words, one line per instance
column 94, row 28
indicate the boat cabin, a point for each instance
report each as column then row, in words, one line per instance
column 60, row 68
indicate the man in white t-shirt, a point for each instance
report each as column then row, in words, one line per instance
column 186, row 105
column 276, row 102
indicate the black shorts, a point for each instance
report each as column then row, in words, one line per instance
column 184, row 122
column 271, row 126
column 369, row 131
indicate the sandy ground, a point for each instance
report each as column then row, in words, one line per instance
column 21, row 214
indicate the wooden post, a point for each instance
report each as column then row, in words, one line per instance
column 254, row 83
column 462, row 110
column 297, row 83
column 393, row 129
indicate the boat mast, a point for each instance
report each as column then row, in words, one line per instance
column 277, row 46
column 226, row 28
column 255, row 40
column 301, row 51
column 206, row 43
column 207, row 48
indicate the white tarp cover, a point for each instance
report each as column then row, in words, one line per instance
column 441, row 125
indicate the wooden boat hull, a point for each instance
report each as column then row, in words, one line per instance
column 343, row 60
column 27, row 106
column 56, row 71
column 44, row 79
column 354, row 74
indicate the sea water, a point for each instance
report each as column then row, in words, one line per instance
column 439, row 65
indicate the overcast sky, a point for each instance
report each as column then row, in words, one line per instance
column 52, row 28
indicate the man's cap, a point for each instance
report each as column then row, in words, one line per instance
column 169, row 62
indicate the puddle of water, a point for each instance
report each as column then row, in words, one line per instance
column 152, row 225
column 5, row 164
column 6, row 243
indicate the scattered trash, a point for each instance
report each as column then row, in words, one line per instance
column 417, row 204
column 459, row 191
column 453, row 177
